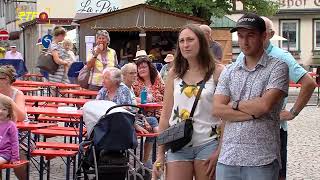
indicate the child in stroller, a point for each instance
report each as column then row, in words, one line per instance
column 110, row 141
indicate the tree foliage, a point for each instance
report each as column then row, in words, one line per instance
column 218, row 8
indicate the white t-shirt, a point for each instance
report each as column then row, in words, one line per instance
column 11, row 55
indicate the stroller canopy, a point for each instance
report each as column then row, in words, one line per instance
column 113, row 131
column 94, row 110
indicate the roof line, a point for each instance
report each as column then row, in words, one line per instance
column 145, row 6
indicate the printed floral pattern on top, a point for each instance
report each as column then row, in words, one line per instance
column 157, row 90
column 183, row 114
column 189, row 91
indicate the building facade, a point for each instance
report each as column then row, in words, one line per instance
column 299, row 22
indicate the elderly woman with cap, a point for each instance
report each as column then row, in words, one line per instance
column 17, row 98
column 101, row 58
column 166, row 68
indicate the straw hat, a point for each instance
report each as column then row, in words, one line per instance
column 169, row 58
column 140, row 53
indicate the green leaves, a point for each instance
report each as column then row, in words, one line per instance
column 218, row 8
column 262, row 7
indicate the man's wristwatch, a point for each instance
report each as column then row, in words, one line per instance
column 235, row 105
column 294, row 112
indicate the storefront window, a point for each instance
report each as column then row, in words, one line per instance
column 290, row 30
column 316, row 33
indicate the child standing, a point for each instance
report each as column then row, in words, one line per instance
column 68, row 55
column 9, row 143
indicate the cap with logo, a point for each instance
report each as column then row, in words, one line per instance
column 250, row 21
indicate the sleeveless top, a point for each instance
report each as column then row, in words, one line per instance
column 205, row 125
column 14, row 95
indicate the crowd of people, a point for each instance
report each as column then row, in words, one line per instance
column 239, row 121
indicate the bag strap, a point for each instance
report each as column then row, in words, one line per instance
column 203, row 82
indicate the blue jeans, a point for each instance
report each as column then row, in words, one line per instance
column 265, row 172
column 201, row 152
column 153, row 123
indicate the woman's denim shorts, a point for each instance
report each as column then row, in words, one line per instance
column 201, row 152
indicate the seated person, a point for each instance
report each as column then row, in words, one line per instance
column 129, row 76
column 114, row 90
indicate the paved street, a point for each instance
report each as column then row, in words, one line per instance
column 303, row 146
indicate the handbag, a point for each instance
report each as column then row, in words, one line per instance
column 45, row 62
column 83, row 78
column 177, row 136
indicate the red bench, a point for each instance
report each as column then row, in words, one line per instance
column 14, row 165
column 68, row 129
column 57, row 119
column 50, row 154
column 57, row 145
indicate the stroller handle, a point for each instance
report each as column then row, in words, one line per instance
column 122, row 105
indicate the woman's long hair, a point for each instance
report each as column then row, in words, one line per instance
column 152, row 69
column 205, row 57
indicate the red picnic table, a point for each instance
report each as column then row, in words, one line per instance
column 53, row 132
column 154, row 148
column 151, row 105
column 35, row 83
column 51, row 111
column 82, row 92
column 37, row 99
column 27, row 89
column 25, row 126
column 46, row 84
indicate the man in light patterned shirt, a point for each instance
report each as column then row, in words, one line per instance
column 248, row 99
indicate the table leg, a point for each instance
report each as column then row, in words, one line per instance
column 28, row 154
column 48, row 169
column 68, row 169
column 8, row 174
column 141, row 148
column 80, row 138
column 41, row 167
column 154, row 150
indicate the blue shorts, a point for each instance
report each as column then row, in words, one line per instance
column 265, row 172
column 201, row 152
column 153, row 123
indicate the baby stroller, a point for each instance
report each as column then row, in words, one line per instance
column 110, row 140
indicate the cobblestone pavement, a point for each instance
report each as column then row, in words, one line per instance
column 303, row 146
